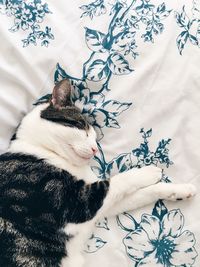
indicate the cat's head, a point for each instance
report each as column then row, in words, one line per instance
column 59, row 126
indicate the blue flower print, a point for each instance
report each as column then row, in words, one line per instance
column 159, row 237
column 147, row 157
column 101, row 112
column 139, row 157
column 113, row 51
column 161, row 242
column 27, row 17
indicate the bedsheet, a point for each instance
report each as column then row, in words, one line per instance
column 135, row 67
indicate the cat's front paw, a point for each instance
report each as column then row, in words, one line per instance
column 183, row 191
column 148, row 175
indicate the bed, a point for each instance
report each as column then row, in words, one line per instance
column 134, row 65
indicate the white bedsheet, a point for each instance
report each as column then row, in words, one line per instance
column 135, row 66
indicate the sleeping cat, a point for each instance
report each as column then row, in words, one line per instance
column 50, row 198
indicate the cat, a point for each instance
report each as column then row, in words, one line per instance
column 49, row 197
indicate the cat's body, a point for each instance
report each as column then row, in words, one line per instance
column 50, row 198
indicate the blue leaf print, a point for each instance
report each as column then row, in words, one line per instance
column 159, row 210
column 103, row 118
column 102, row 224
column 94, row 244
column 94, row 40
column 59, row 74
column 162, row 12
column 97, row 71
column 122, row 40
column 193, row 40
column 126, row 222
column 182, row 19
column 111, row 122
column 118, row 64
column 151, row 17
column 115, row 107
column 117, row 4
column 182, row 40
column 186, row 23
column 121, row 163
column 96, row 8
column 28, row 15
column 148, row 133
column 161, row 152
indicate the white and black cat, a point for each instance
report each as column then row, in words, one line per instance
column 50, row 198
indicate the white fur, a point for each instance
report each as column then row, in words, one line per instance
column 70, row 149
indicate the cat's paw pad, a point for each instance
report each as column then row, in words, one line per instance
column 150, row 175
column 184, row 191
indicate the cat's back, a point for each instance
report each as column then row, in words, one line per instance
column 27, row 185
column 16, row 168
column 29, row 221
column 16, row 163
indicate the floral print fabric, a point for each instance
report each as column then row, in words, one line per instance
column 131, row 79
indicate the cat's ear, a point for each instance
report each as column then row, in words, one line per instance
column 61, row 96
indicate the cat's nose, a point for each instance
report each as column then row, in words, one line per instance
column 94, row 150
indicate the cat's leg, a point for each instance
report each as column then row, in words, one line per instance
column 74, row 248
column 127, row 183
column 151, row 194
column 135, row 179
column 76, row 245
column 97, row 198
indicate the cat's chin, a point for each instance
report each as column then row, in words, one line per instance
column 84, row 158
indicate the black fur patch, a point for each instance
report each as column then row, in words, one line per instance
column 68, row 116
column 36, row 201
